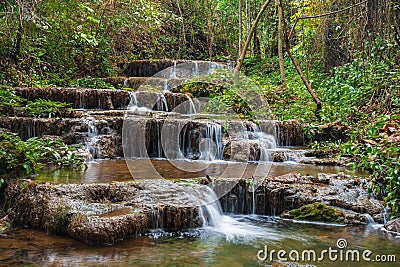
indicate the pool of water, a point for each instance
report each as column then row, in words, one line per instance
column 237, row 244
column 118, row 170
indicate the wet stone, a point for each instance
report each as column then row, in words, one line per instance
column 393, row 226
column 291, row 191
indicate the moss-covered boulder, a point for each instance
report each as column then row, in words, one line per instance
column 318, row 212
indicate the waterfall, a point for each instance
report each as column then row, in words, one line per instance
column 231, row 228
column 173, row 71
column 133, row 100
column 92, row 142
column 272, row 128
column 211, row 145
column 210, row 207
column 192, row 107
column 263, row 141
column 369, row 219
column 196, row 68
column 81, row 99
column 134, row 131
column 125, row 85
column 165, row 85
column 162, row 103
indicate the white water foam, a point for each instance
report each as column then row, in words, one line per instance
column 231, row 228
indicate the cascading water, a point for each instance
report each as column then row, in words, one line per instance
column 92, row 142
column 262, row 141
column 173, row 71
column 196, row 68
column 211, row 145
column 270, row 127
column 162, row 103
column 133, row 100
column 213, row 219
column 165, row 85
column 192, row 107
column 135, row 135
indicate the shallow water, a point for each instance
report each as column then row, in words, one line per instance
column 117, row 170
column 200, row 247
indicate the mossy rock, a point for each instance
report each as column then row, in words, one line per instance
column 318, row 212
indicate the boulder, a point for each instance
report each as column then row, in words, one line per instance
column 393, row 226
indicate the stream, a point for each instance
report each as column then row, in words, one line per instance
column 194, row 148
column 233, row 240
column 198, row 247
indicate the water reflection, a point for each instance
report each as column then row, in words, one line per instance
column 199, row 247
column 117, row 170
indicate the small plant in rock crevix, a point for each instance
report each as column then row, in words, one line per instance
column 45, row 108
column 93, row 83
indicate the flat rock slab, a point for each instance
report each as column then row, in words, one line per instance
column 99, row 213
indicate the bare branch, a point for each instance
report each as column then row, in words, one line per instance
column 322, row 15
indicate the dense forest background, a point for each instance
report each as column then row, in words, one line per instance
column 348, row 51
column 73, row 38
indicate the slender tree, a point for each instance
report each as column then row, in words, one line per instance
column 296, row 64
column 242, row 54
column 240, row 25
column 280, row 45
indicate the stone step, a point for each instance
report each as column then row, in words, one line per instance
column 142, row 83
column 165, row 68
column 105, row 99
column 103, row 130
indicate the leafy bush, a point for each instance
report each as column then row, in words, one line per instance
column 8, row 98
column 39, row 107
column 21, row 158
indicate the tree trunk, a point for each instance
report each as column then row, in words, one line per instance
column 242, row 55
column 18, row 37
column 298, row 69
column 182, row 23
column 247, row 18
column 280, row 45
column 240, row 26
column 256, row 45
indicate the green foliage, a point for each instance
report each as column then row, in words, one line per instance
column 38, row 108
column 93, row 83
column 374, row 149
column 318, row 212
column 292, row 102
column 226, row 97
column 45, row 108
column 8, row 98
column 21, row 158
column 358, row 84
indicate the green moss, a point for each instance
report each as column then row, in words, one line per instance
column 317, row 212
